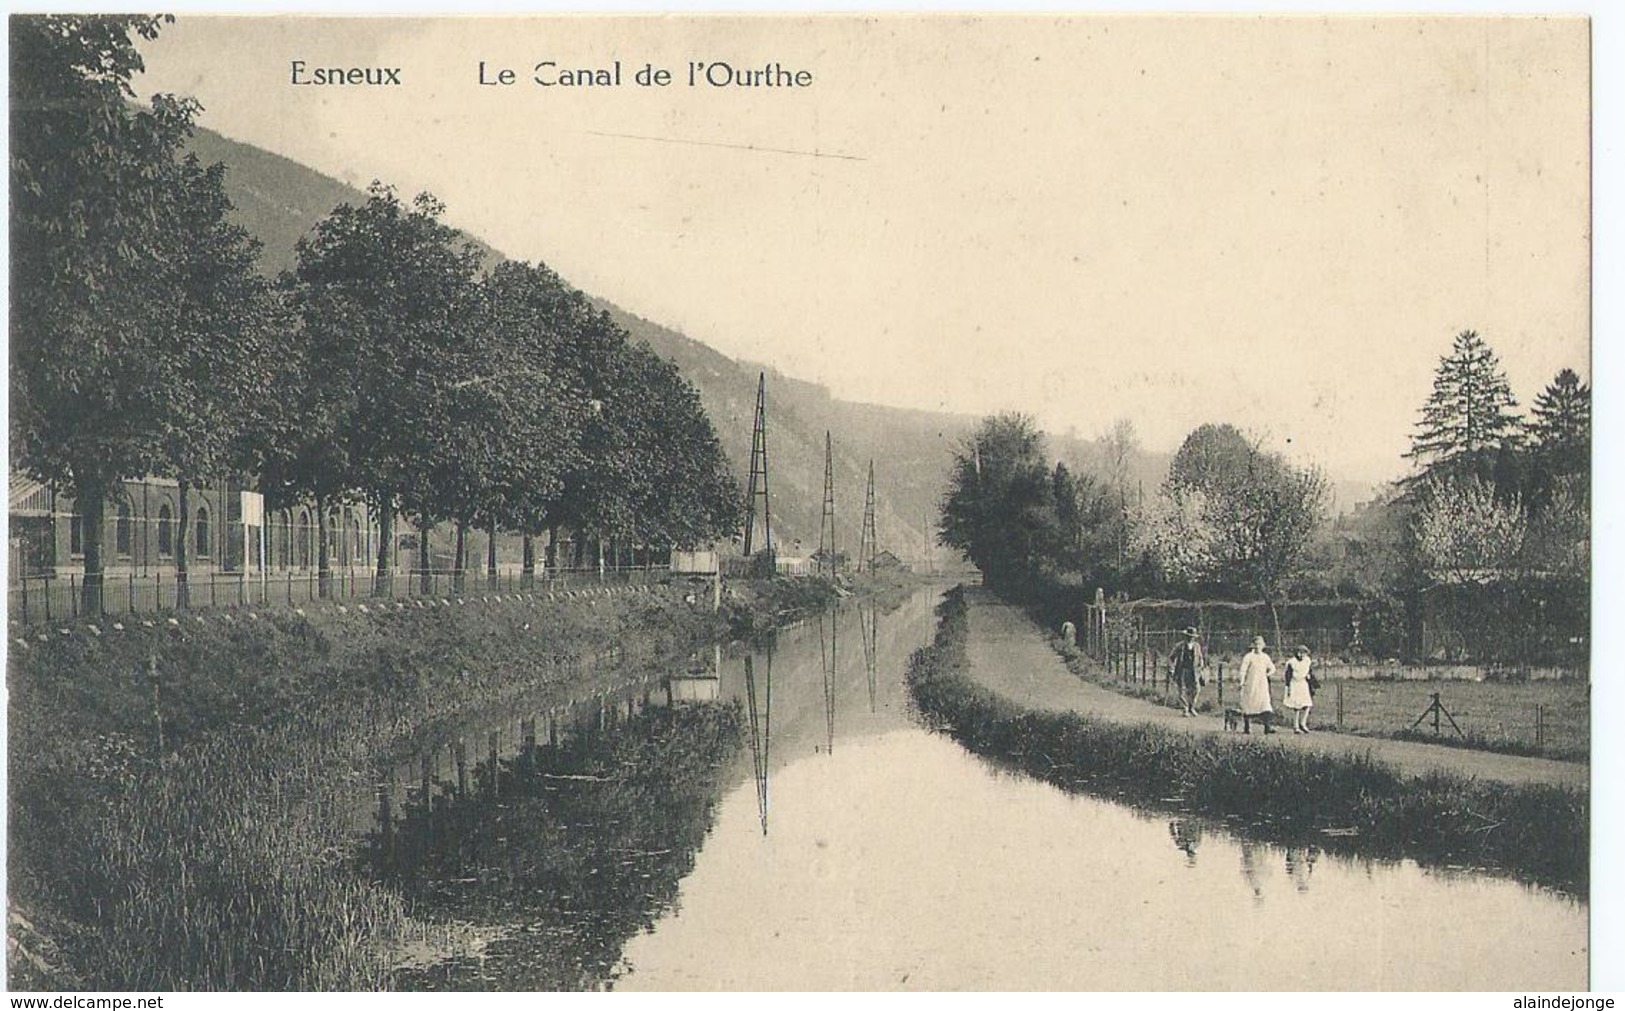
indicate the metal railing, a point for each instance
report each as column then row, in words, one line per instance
column 61, row 598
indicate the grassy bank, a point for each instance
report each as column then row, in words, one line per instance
column 1538, row 832
column 182, row 832
column 755, row 607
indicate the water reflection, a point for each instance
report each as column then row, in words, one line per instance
column 1187, row 836
column 868, row 628
column 1250, row 869
column 904, row 862
column 829, row 656
column 761, row 726
column 560, row 852
column 1300, row 865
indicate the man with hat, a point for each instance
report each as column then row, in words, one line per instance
column 1186, row 664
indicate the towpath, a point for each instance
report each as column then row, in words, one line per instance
column 1008, row 654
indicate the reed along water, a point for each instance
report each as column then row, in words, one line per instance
column 775, row 818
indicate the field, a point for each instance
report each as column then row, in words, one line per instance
column 1551, row 718
column 1545, row 717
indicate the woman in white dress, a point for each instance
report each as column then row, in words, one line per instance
column 1256, row 668
column 1298, row 697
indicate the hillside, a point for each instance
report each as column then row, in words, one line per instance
column 279, row 200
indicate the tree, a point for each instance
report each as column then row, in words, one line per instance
column 1257, row 513
column 685, row 493
column 525, row 313
column 1068, row 493
column 1557, row 544
column 1121, row 443
column 1173, row 529
column 1000, row 507
column 102, row 220
column 1214, row 458
column 386, row 293
column 598, row 488
column 1469, row 417
column 219, row 331
column 1561, row 428
column 1465, row 532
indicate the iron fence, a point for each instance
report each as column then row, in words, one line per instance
column 61, row 598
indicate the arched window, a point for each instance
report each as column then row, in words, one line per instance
column 121, row 530
column 282, row 543
column 202, row 542
column 335, row 538
column 358, row 547
column 302, row 539
column 166, row 531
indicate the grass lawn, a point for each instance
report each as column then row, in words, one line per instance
column 1494, row 714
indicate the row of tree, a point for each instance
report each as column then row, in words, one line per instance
column 387, row 366
column 1495, row 518
column 1494, row 492
column 1231, row 518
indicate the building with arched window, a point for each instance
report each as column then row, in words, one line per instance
column 121, row 531
column 200, row 525
column 166, row 532
column 142, row 531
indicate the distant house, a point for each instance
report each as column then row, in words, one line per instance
column 786, row 565
column 694, row 562
column 888, row 561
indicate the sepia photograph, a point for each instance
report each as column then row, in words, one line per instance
column 801, row 502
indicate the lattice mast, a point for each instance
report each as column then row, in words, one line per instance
column 867, row 549
column 826, row 526
column 758, row 475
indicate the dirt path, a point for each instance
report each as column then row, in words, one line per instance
column 1008, row 654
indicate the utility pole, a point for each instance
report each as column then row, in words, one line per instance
column 926, row 532
column 758, row 475
column 866, row 540
column 826, row 526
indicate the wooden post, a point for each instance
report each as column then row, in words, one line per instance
column 1221, row 685
column 1540, row 726
column 157, row 707
column 1340, row 704
column 386, row 824
column 496, row 775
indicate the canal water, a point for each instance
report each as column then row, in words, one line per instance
column 775, row 819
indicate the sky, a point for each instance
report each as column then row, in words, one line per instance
column 1279, row 222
